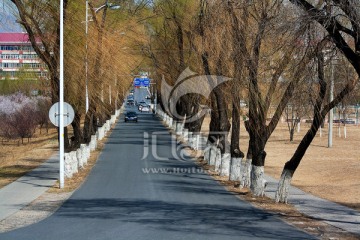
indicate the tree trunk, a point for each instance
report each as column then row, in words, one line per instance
column 246, row 168
column 291, row 166
column 235, row 169
column 246, row 165
column 319, row 116
column 214, row 123
column 66, row 139
column 217, row 159
column 236, row 153
column 292, row 134
column 89, row 128
column 284, row 186
column 78, row 137
column 258, row 182
column 225, row 164
column 212, row 154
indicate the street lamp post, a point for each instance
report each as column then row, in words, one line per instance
column 100, row 28
column 357, row 114
column 61, row 98
column 331, row 113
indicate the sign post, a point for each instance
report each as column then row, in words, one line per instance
column 61, row 96
column 61, row 115
column 68, row 116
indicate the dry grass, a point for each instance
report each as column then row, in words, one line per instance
column 329, row 173
column 16, row 159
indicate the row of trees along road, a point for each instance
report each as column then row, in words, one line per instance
column 110, row 55
column 275, row 51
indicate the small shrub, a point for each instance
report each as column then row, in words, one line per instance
column 20, row 115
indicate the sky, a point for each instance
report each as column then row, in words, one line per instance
column 8, row 17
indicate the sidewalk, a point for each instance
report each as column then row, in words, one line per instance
column 26, row 189
column 318, row 208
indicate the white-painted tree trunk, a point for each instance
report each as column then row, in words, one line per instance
column 245, row 173
column 93, row 143
column 207, row 153
column 74, row 162
column 217, row 160
column 225, row 164
column 79, row 158
column 67, row 165
column 345, row 131
column 298, row 127
column 212, row 155
column 282, row 192
column 258, row 182
column 235, row 169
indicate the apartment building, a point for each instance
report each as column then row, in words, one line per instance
column 17, row 57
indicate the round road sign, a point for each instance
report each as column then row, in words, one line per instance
column 54, row 114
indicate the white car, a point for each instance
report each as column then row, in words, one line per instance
column 145, row 109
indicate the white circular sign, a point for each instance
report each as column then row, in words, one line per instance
column 54, row 114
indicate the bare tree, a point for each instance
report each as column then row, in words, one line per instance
column 341, row 20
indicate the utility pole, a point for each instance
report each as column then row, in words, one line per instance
column 61, row 96
column 86, row 57
column 331, row 113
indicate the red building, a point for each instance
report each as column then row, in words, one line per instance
column 17, row 56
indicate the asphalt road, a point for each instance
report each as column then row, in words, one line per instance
column 120, row 200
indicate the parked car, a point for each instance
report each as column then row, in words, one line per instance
column 348, row 121
column 131, row 117
column 344, row 121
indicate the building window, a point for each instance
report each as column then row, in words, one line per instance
column 9, row 48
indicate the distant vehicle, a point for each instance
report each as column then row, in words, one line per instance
column 131, row 117
column 145, row 109
column 348, row 121
column 141, row 106
column 130, row 102
column 344, row 121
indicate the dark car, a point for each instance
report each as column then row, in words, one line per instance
column 130, row 102
column 131, row 117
